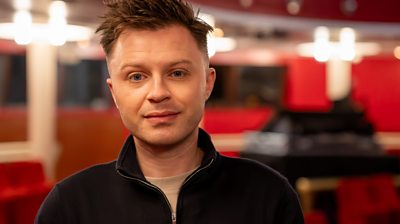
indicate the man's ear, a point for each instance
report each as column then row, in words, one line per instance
column 210, row 80
column 110, row 86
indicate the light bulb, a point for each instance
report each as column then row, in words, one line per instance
column 23, row 26
column 347, row 41
column 22, row 4
column 322, row 48
column 58, row 9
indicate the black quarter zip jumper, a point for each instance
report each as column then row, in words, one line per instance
column 221, row 191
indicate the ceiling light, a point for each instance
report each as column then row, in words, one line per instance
column 41, row 32
column 293, row 7
column 349, row 7
column 22, row 29
column 220, row 44
column 321, row 33
column 57, row 23
column 58, row 9
column 209, row 19
column 322, row 48
column 347, row 44
column 56, row 32
column 246, row 3
column 218, row 32
column 22, row 4
column 347, row 49
column 362, row 49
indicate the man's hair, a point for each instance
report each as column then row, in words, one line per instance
column 150, row 15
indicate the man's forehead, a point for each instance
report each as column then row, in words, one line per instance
column 170, row 41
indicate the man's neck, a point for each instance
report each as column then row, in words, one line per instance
column 168, row 161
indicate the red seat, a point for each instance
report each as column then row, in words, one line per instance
column 23, row 209
column 3, row 218
column 315, row 217
column 26, row 173
column 5, row 195
column 384, row 195
column 354, row 203
column 27, row 189
column 369, row 200
column 2, row 202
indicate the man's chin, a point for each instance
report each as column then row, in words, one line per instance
column 160, row 143
column 163, row 137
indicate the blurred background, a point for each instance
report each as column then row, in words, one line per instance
column 308, row 87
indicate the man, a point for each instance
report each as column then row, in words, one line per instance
column 168, row 170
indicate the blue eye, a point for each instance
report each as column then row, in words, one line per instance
column 136, row 77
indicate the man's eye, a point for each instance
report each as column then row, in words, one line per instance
column 178, row 74
column 136, row 77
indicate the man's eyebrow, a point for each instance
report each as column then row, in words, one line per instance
column 183, row 61
column 132, row 65
column 168, row 65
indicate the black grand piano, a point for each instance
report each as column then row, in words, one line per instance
column 313, row 144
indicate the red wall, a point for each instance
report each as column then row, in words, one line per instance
column 306, row 85
column 376, row 88
column 376, row 84
column 235, row 120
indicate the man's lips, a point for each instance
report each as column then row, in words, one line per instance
column 160, row 114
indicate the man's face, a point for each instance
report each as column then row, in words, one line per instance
column 160, row 81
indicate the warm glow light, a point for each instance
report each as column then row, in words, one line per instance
column 361, row 49
column 224, row 44
column 322, row 51
column 293, row 7
column 397, row 52
column 220, row 44
column 347, row 44
column 57, row 27
column 57, row 23
column 347, row 36
column 41, row 32
column 209, row 19
column 58, row 9
column 347, row 49
column 23, row 18
column 216, row 42
column 218, row 32
column 322, row 48
column 22, row 4
column 22, row 31
column 83, row 44
column 55, row 32
column 367, row 49
column 211, row 51
column 321, row 33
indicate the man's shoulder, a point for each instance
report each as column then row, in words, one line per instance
column 75, row 194
column 95, row 174
column 259, row 177
column 252, row 169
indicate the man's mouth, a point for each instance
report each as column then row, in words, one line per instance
column 161, row 116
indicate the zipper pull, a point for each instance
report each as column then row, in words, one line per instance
column 173, row 218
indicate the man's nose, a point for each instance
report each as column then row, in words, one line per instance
column 159, row 90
